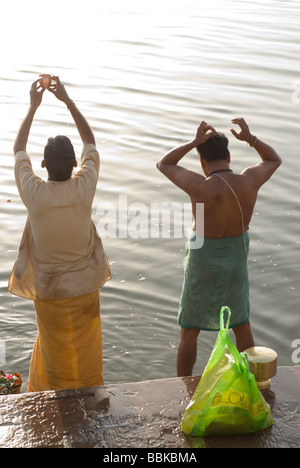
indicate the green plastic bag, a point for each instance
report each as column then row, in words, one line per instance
column 227, row 400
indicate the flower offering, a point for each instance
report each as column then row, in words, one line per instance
column 10, row 383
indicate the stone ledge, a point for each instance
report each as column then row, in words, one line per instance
column 137, row 415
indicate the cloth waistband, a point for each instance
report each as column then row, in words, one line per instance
column 219, row 246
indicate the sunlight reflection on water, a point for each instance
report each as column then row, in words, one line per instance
column 144, row 75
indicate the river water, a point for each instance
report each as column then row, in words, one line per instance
column 145, row 74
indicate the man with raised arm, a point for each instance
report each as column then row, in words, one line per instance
column 216, row 274
column 61, row 262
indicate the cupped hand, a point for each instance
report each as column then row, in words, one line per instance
column 36, row 94
column 58, row 89
column 204, row 132
column 244, row 134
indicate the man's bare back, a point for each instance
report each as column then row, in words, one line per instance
column 228, row 200
column 222, row 215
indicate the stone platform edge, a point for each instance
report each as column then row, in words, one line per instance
column 137, row 415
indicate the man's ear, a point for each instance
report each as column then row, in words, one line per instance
column 229, row 157
column 43, row 164
column 203, row 163
column 75, row 163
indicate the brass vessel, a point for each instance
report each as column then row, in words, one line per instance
column 263, row 364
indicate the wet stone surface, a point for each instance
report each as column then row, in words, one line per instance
column 137, row 415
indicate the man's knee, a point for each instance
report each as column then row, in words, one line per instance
column 189, row 333
column 242, row 329
column 244, row 337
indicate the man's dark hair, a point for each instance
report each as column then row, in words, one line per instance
column 59, row 157
column 214, row 148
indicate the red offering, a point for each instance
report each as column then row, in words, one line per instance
column 45, row 81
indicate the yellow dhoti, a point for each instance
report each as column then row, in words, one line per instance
column 68, row 349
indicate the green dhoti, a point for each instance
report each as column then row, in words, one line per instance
column 216, row 275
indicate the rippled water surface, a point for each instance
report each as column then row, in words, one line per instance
column 145, row 74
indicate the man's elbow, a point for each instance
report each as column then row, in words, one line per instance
column 158, row 165
column 274, row 164
column 17, row 148
column 278, row 162
column 90, row 140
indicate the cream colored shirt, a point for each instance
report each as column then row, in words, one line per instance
column 61, row 254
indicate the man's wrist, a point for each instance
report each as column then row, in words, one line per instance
column 252, row 140
column 194, row 143
column 69, row 103
column 33, row 108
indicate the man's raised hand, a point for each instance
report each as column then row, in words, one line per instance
column 58, row 89
column 244, row 134
column 204, row 132
column 36, row 94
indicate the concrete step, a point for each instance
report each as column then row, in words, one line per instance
column 137, row 415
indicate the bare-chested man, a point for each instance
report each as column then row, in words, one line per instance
column 216, row 274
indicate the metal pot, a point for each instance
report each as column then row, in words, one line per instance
column 263, row 364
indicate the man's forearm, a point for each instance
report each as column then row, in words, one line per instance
column 23, row 133
column 266, row 152
column 174, row 156
column 85, row 131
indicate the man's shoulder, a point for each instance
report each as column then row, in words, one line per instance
column 90, row 165
column 259, row 174
column 89, row 148
column 215, row 186
column 90, row 152
column 20, row 156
